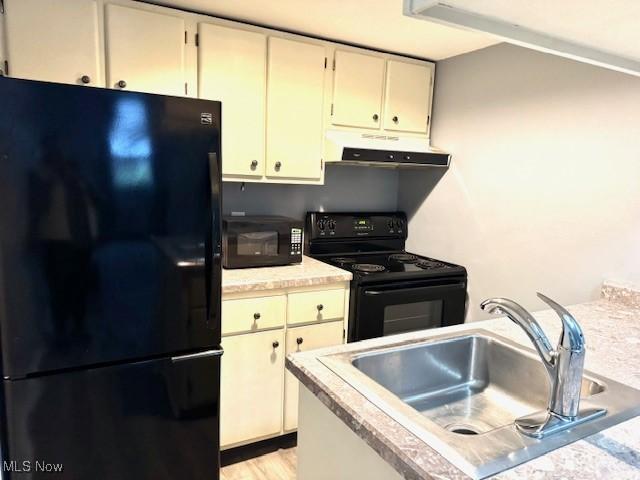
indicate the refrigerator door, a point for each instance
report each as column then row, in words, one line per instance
column 110, row 201
column 154, row 419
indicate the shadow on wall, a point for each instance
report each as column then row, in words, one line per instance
column 542, row 193
column 416, row 186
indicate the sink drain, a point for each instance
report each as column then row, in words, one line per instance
column 462, row 429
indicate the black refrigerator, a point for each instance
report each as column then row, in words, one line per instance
column 109, row 283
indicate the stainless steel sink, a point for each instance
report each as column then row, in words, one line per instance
column 461, row 395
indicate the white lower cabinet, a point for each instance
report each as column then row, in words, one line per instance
column 251, row 386
column 300, row 339
column 258, row 397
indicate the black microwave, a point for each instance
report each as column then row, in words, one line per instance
column 261, row 241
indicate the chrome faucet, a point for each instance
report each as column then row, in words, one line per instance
column 564, row 364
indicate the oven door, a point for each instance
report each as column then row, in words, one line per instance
column 252, row 245
column 399, row 307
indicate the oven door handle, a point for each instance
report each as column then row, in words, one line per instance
column 432, row 288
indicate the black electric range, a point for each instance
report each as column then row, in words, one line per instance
column 392, row 291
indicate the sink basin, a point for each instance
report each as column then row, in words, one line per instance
column 462, row 393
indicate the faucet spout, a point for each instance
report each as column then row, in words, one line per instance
column 521, row 317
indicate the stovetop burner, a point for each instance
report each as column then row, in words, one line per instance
column 430, row 264
column 343, row 260
column 367, row 267
column 393, row 263
column 403, row 258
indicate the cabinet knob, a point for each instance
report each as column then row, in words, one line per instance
column 85, row 79
column 122, row 84
column 256, row 316
column 278, row 165
column 395, row 119
column 320, row 307
column 254, row 164
column 375, row 117
column 299, row 340
column 276, row 344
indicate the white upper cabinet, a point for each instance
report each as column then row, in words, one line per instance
column 54, row 41
column 232, row 69
column 295, row 89
column 145, row 51
column 407, row 103
column 357, row 90
column 279, row 91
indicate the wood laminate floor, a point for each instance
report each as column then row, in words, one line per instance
column 278, row 465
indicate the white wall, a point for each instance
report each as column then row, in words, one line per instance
column 346, row 188
column 544, row 189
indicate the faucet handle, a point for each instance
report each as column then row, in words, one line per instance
column 572, row 336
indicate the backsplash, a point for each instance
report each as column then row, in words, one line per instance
column 346, row 188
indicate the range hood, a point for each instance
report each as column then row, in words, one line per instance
column 382, row 150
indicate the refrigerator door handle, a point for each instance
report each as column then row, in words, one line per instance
column 191, row 356
column 214, row 244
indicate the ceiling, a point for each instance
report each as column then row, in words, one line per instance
column 378, row 24
column 608, row 25
column 604, row 32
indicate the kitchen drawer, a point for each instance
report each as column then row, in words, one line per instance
column 318, row 306
column 253, row 314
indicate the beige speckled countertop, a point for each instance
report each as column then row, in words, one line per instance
column 612, row 332
column 306, row 274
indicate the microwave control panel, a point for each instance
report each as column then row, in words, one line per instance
column 296, row 241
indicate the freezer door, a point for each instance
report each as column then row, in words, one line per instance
column 148, row 420
column 108, row 226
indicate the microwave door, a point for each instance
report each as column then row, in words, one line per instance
column 258, row 244
column 388, row 310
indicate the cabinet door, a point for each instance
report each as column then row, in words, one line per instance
column 145, row 51
column 54, row 41
column 301, row 339
column 232, row 69
column 357, row 90
column 295, row 88
column 251, row 386
column 407, row 97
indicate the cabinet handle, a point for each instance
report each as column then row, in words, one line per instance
column 85, row 79
column 254, row 164
column 375, row 117
column 122, row 84
column 299, row 340
column 256, row 316
column 276, row 344
column 395, row 119
column 278, row 165
column 320, row 307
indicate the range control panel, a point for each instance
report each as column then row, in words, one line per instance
column 296, row 241
column 355, row 225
